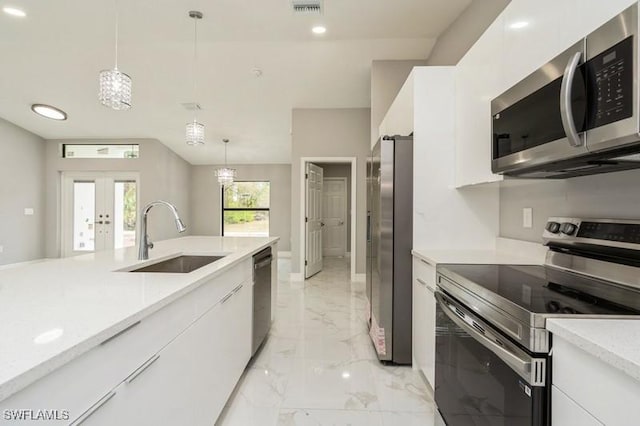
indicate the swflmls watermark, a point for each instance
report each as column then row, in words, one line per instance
column 35, row 415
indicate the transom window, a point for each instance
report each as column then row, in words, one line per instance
column 245, row 209
column 100, row 151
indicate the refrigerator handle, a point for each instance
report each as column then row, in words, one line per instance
column 368, row 226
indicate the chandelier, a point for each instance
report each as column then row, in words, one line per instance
column 225, row 174
column 115, row 86
column 194, row 130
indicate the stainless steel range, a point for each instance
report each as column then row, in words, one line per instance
column 492, row 347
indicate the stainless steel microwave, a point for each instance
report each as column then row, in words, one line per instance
column 578, row 114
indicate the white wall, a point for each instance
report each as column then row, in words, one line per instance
column 206, row 199
column 464, row 31
column 163, row 175
column 387, row 77
column 21, row 186
column 339, row 132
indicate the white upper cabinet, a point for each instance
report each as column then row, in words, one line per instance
column 524, row 37
column 479, row 78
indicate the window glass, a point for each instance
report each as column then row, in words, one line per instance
column 100, row 151
column 246, row 209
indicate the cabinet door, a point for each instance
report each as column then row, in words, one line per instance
column 190, row 379
column 222, row 357
column 566, row 412
column 429, row 369
column 424, row 311
column 419, row 323
column 160, row 391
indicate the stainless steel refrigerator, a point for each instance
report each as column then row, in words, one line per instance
column 389, row 243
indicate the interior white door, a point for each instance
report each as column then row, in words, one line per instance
column 99, row 212
column 313, row 220
column 334, row 217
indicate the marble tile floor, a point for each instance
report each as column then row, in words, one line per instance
column 318, row 366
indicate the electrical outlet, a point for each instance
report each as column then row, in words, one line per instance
column 527, row 217
column 28, row 211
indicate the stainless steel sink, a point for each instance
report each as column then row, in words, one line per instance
column 179, row 265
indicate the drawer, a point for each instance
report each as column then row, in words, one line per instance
column 610, row 395
column 215, row 289
column 89, row 377
column 565, row 411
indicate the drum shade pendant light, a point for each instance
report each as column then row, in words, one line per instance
column 195, row 130
column 225, row 174
column 115, row 86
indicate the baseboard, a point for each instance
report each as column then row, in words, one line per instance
column 284, row 255
column 296, row 277
column 358, row 278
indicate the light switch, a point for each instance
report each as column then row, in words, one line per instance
column 527, row 217
column 28, row 211
column 1, row 249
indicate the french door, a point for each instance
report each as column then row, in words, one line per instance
column 99, row 211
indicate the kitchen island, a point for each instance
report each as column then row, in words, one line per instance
column 77, row 332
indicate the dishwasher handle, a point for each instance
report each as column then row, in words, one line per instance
column 263, row 263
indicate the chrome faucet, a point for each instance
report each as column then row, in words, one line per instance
column 145, row 243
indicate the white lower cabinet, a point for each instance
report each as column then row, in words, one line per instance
column 191, row 378
column 424, row 318
column 566, row 412
column 593, row 386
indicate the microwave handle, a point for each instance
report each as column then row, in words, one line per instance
column 566, row 110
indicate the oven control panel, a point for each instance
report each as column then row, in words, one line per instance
column 581, row 230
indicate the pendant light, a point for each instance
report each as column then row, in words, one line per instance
column 195, row 130
column 115, row 86
column 225, row 174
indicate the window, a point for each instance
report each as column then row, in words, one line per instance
column 245, row 209
column 100, row 151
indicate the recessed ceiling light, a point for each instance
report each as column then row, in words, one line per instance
column 319, row 29
column 518, row 25
column 14, row 12
column 49, row 112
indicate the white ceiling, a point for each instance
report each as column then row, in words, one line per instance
column 53, row 56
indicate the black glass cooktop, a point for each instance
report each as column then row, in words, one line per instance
column 541, row 289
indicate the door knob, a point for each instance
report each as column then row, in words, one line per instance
column 99, row 222
column 321, row 223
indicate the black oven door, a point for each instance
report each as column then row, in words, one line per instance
column 482, row 378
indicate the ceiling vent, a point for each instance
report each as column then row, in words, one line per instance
column 191, row 106
column 307, row 7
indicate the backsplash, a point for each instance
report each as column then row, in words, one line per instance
column 613, row 196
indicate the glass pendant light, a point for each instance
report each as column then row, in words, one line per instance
column 115, row 86
column 195, row 131
column 225, row 174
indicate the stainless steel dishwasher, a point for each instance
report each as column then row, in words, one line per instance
column 261, row 297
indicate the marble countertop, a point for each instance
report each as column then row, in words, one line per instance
column 507, row 251
column 52, row 312
column 615, row 342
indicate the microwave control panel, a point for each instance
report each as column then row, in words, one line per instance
column 610, row 84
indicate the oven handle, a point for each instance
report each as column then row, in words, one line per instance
column 566, row 109
column 530, row 369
